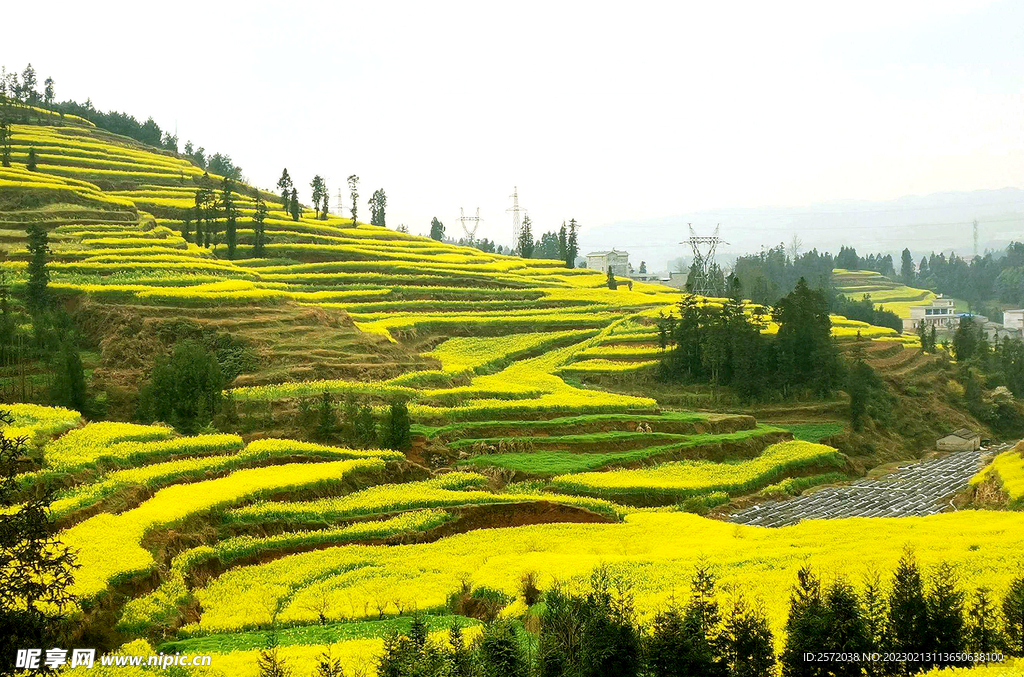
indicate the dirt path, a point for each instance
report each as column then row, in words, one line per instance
column 917, row 489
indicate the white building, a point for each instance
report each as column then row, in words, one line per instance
column 1013, row 319
column 941, row 314
column 617, row 261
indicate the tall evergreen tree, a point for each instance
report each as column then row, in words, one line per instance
column 37, row 293
column 747, row 642
column 572, row 248
column 259, row 232
column 378, row 203
column 1013, row 613
column 436, row 230
column 284, row 184
column 983, row 632
column 293, row 205
column 875, row 614
column 806, row 627
column 395, row 433
column 563, row 242
column 319, row 190
column 353, row 193
column 845, row 629
column 525, row 244
column 67, row 387
column 807, row 352
column 908, row 611
column 48, row 91
column 501, row 654
column 946, row 622
column 611, row 282
column 907, row 267
column 28, row 85
column 184, row 388
column 30, row 164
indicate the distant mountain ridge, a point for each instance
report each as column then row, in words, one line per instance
column 925, row 223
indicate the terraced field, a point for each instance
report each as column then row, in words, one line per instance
column 516, row 466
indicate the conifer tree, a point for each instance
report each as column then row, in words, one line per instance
column 378, row 203
column 353, row 193
column 805, row 627
column 572, row 249
column 319, row 189
column 747, row 642
column 563, row 242
column 284, row 184
column 611, row 282
column 327, row 419
column 31, row 163
column 946, row 622
column 875, row 613
column 294, row 206
column 525, row 244
column 259, row 232
column 907, row 622
column 436, row 230
column 501, row 654
column 845, row 629
column 48, row 91
column 983, row 632
column 37, row 291
column 1013, row 613
column 395, row 431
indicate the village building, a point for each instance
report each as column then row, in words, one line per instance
column 1013, row 319
column 941, row 314
column 964, row 439
column 614, row 260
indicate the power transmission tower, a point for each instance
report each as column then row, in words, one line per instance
column 516, row 225
column 475, row 220
column 337, row 204
column 703, row 261
column 975, row 237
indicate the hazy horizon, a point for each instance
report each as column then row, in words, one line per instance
column 608, row 117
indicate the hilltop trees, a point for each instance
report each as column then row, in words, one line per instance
column 353, row 193
column 259, row 233
column 436, row 230
column 807, row 354
column 378, row 202
column 48, row 91
column 547, row 247
column 284, row 184
column 28, row 85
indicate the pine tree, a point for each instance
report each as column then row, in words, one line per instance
column 747, row 642
column 845, row 629
column 643, row 267
column 946, row 622
column 461, row 660
column 611, row 282
column 319, row 188
column 563, row 242
column 436, row 230
column 353, row 193
column 270, row 664
column 259, row 232
column 31, row 163
column 366, row 427
column 378, row 203
column 48, row 91
column 875, row 613
column 501, row 654
column 907, row 622
column 293, row 205
column 395, row 432
column 572, row 249
column 907, row 267
column 1013, row 613
column 806, row 628
column 68, row 385
column 328, row 667
column 284, row 184
column 28, row 84
column 37, row 293
column 983, row 635
column 525, row 244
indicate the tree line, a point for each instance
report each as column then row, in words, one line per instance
column 723, row 346
column 25, row 90
column 913, row 624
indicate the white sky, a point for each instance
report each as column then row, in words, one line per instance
column 605, row 112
